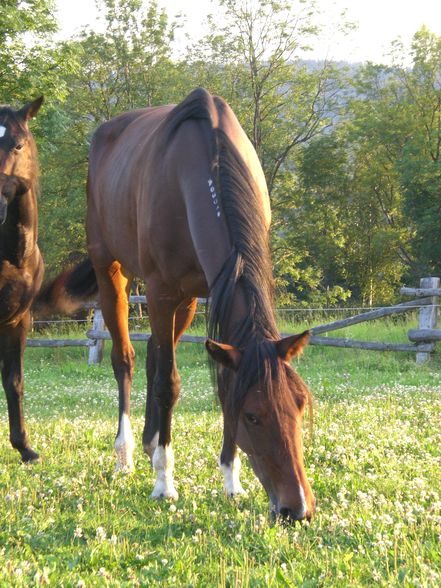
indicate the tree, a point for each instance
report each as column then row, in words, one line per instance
column 420, row 162
column 126, row 67
column 26, row 66
column 283, row 103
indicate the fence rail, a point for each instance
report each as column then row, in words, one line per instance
column 422, row 340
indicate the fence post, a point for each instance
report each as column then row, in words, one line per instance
column 96, row 350
column 428, row 316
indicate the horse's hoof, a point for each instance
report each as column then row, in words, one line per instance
column 236, row 493
column 170, row 494
column 124, row 468
column 30, row 456
column 124, row 459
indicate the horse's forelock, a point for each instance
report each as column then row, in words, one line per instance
column 11, row 118
column 259, row 365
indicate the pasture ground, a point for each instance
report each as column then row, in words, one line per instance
column 374, row 461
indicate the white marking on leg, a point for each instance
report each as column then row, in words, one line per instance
column 231, row 472
column 124, row 445
column 149, row 448
column 163, row 462
column 2, row 131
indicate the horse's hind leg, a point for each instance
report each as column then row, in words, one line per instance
column 114, row 287
column 151, row 424
column 12, row 343
column 183, row 318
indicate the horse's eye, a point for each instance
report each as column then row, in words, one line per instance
column 252, row 419
column 19, row 147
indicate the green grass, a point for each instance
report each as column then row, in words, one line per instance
column 374, row 461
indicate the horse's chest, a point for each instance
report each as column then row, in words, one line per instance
column 16, row 291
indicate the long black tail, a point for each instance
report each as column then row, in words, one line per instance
column 68, row 291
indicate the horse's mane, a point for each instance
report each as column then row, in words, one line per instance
column 249, row 265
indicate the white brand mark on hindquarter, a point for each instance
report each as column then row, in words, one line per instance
column 2, row 131
column 214, row 197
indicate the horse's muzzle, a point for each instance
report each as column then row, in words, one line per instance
column 288, row 515
column 10, row 187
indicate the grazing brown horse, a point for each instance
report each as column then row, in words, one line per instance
column 177, row 196
column 21, row 265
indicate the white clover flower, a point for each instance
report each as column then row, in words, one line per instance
column 387, row 519
column 100, row 534
column 78, row 532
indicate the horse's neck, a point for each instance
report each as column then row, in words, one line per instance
column 18, row 235
column 243, row 325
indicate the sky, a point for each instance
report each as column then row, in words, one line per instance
column 378, row 22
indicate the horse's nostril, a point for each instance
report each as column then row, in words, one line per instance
column 290, row 515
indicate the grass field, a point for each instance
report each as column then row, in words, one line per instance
column 374, row 461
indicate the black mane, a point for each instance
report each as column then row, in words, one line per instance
column 249, row 266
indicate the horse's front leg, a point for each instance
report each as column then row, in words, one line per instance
column 12, row 343
column 166, row 388
column 229, row 464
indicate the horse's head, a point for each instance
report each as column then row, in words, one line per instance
column 17, row 160
column 265, row 398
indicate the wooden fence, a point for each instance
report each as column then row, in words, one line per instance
column 422, row 339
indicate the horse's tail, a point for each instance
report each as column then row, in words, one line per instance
column 68, row 291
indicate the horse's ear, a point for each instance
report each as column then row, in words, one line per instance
column 292, row 346
column 30, row 110
column 227, row 355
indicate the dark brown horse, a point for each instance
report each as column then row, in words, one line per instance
column 21, row 265
column 177, row 196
